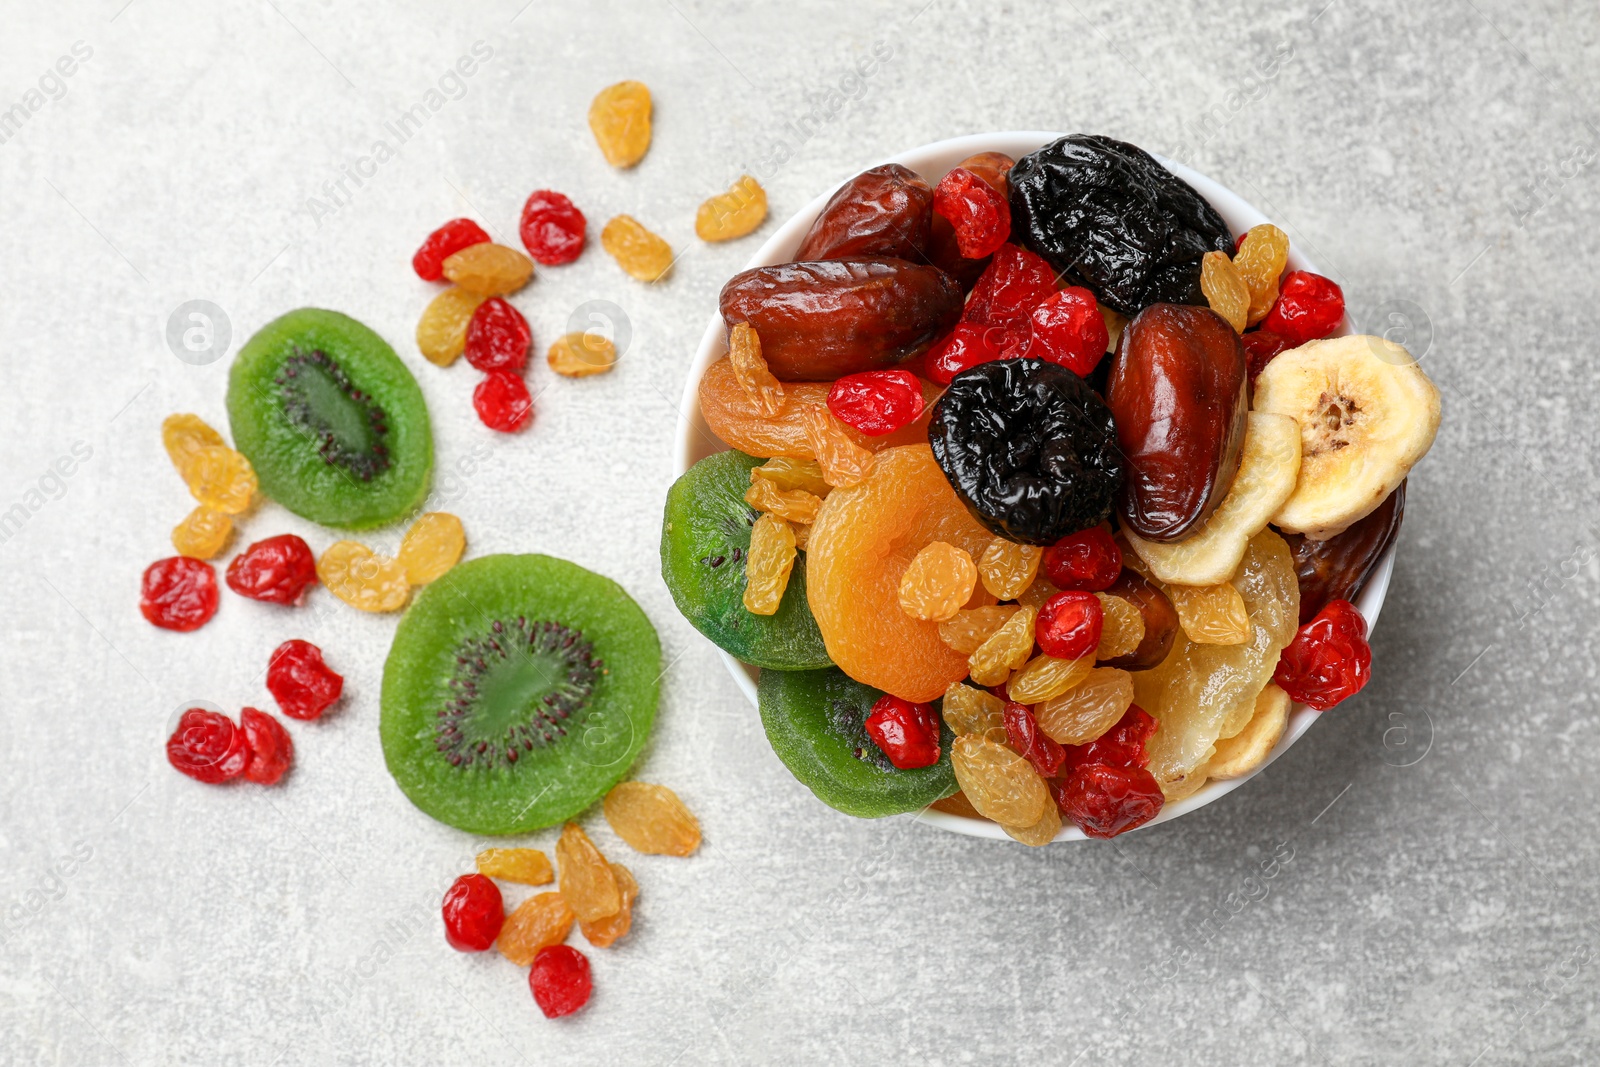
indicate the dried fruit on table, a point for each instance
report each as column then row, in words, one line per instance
column 1045, row 677
column 202, row 534
column 1107, row 801
column 473, row 913
column 619, row 118
column 587, row 881
column 1067, row 328
column 603, row 933
column 1309, row 307
column 184, row 436
column 542, row 920
column 791, row 505
column 1026, row 739
column 1263, row 253
column 976, row 210
column 939, row 580
column 560, row 980
column 905, row 732
column 1157, row 615
column 787, row 473
column 1329, row 658
column 208, row 747
column 1211, row 614
column 1248, row 749
column 526, row 865
column 578, row 355
column 1226, row 292
column 969, row 629
column 1007, row 568
column 1338, row 568
column 432, row 546
column 877, row 402
column 498, row 337
column 442, row 330
column 489, row 269
column 651, row 819
column 972, row 711
column 1121, row 629
column 999, row 783
column 885, row 211
column 443, row 243
column 301, row 681
column 502, row 401
column 744, row 355
column 639, row 252
column 271, row 747
column 276, row 570
column 1006, row 650
column 732, row 214
column 552, row 228
column 221, row 479
column 843, row 462
column 1089, row 559
column 771, row 558
column 178, row 593
column 1089, row 709
column 1069, row 625
column 362, row 578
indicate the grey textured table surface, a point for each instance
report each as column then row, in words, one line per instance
column 1436, row 865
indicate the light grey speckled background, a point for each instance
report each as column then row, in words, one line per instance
column 1435, row 890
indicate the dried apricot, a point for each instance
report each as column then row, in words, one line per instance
column 432, row 546
column 1006, row 650
column 1089, row 709
column 938, row 581
column 732, row 214
column 652, row 819
column 843, row 462
column 999, row 783
column 489, row 269
column 1224, row 289
column 362, row 578
column 603, row 933
column 221, row 479
column 526, row 865
column 202, row 534
column 1260, row 259
column 619, row 118
column 442, row 330
column 578, row 355
column 744, row 353
column 1007, row 568
column 972, row 711
column 767, row 567
column 542, row 920
column 637, row 251
column 1121, row 627
column 1046, row 677
column 587, row 882
column 791, row 505
column 1211, row 614
column 968, row 630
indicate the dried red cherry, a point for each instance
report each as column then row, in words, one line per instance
column 277, row 570
column 271, row 748
column 179, row 593
column 1121, row 746
column 552, row 228
column 560, row 980
column 1016, row 282
column 473, row 913
column 975, row 209
column 907, row 733
column 302, row 684
column 1260, row 346
column 443, row 243
column 1329, row 658
column 498, row 337
column 964, row 347
column 1067, row 328
column 1030, row 742
column 502, row 401
column 877, row 402
column 208, row 747
column 1069, row 625
column 1106, row 801
column 1309, row 306
column 1088, row 559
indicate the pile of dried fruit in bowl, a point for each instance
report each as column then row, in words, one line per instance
column 1046, row 494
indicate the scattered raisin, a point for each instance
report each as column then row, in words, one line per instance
column 603, row 933
column 489, row 269
column 1121, row 629
column 619, row 117
column 221, row 479
column 587, row 881
column 791, row 505
column 1211, row 614
column 971, row 711
column 1006, row 650
column 843, row 462
column 651, row 819
column 362, row 578
column 540, row 921
column 432, row 546
column 1045, row 677
column 998, row 782
column 1262, row 254
column 442, row 330
column 578, row 355
column 732, row 214
column 637, row 251
column 202, row 534
column 526, row 865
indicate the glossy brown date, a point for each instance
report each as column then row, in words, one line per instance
column 1160, row 621
column 820, row 321
column 1177, row 393
column 885, row 211
column 1338, row 568
column 943, row 253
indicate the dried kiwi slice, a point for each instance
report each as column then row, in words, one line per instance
column 519, row 689
column 813, row 720
column 331, row 420
column 704, row 540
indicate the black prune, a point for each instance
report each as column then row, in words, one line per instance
column 1112, row 219
column 1029, row 448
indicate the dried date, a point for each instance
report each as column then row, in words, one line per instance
column 1160, row 621
column 885, row 211
column 1338, row 568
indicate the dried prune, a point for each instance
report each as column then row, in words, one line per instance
column 1029, row 448
column 1177, row 390
column 1107, row 214
column 1338, row 568
column 885, row 211
column 1160, row 621
column 822, row 320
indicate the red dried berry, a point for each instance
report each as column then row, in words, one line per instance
column 1107, row 801
column 502, row 402
column 1124, row 745
column 907, row 733
column 473, row 913
column 1015, row 282
column 208, row 747
column 976, row 210
column 1309, row 306
column 271, row 748
column 1088, row 559
column 498, row 337
column 443, row 243
column 1069, row 625
column 877, row 402
column 1260, row 346
column 1067, row 328
column 1329, row 658
column 277, row 570
column 552, row 228
column 966, row 346
column 1030, row 742
column 301, row 683
column 560, row 980
column 179, row 593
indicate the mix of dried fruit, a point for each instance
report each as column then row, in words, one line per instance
column 1073, row 490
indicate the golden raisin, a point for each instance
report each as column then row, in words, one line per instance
column 578, row 355
column 603, row 933
column 489, row 269
column 1121, row 627
column 802, row 534
column 999, row 783
column 939, row 580
column 1088, row 710
column 758, row 383
column 767, row 566
column 185, row 435
column 971, row 711
column 1211, row 614
column 432, row 546
column 967, row 630
column 1045, row 677
column 526, row 865
column 1007, row 568
column 202, row 534
column 843, row 462
column 1260, row 261
column 651, row 819
column 1007, row 649
column 442, row 330
column 542, row 920
column 786, row 472
column 637, row 251
column 221, row 479
column 793, row 505
column 733, row 213
column 1040, row 833
column 1225, row 290
column 587, row 881
column 619, row 117
column 1036, row 594
column 362, row 578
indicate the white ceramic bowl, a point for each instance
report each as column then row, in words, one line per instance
column 932, row 161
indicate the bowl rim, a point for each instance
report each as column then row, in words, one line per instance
column 932, row 161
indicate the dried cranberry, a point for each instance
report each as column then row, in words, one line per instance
column 1067, row 328
column 1309, row 306
column 498, row 337
column 277, row 570
column 473, row 913
column 1088, row 559
column 301, row 682
column 1016, row 282
column 443, row 243
column 179, row 593
column 502, row 401
column 560, row 980
column 552, row 228
column 976, row 210
column 1030, row 742
column 271, row 748
column 966, row 346
column 208, row 747
column 1069, row 625
column 1105, row 801
column 907, row 733
column 1259, row 348
column 876, row 402
column 1329, row 658
column 1121, row 746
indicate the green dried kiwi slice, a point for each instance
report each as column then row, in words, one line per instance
column 331, row 420
column 518, row 690
column 814, row 722
column 705, row 541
